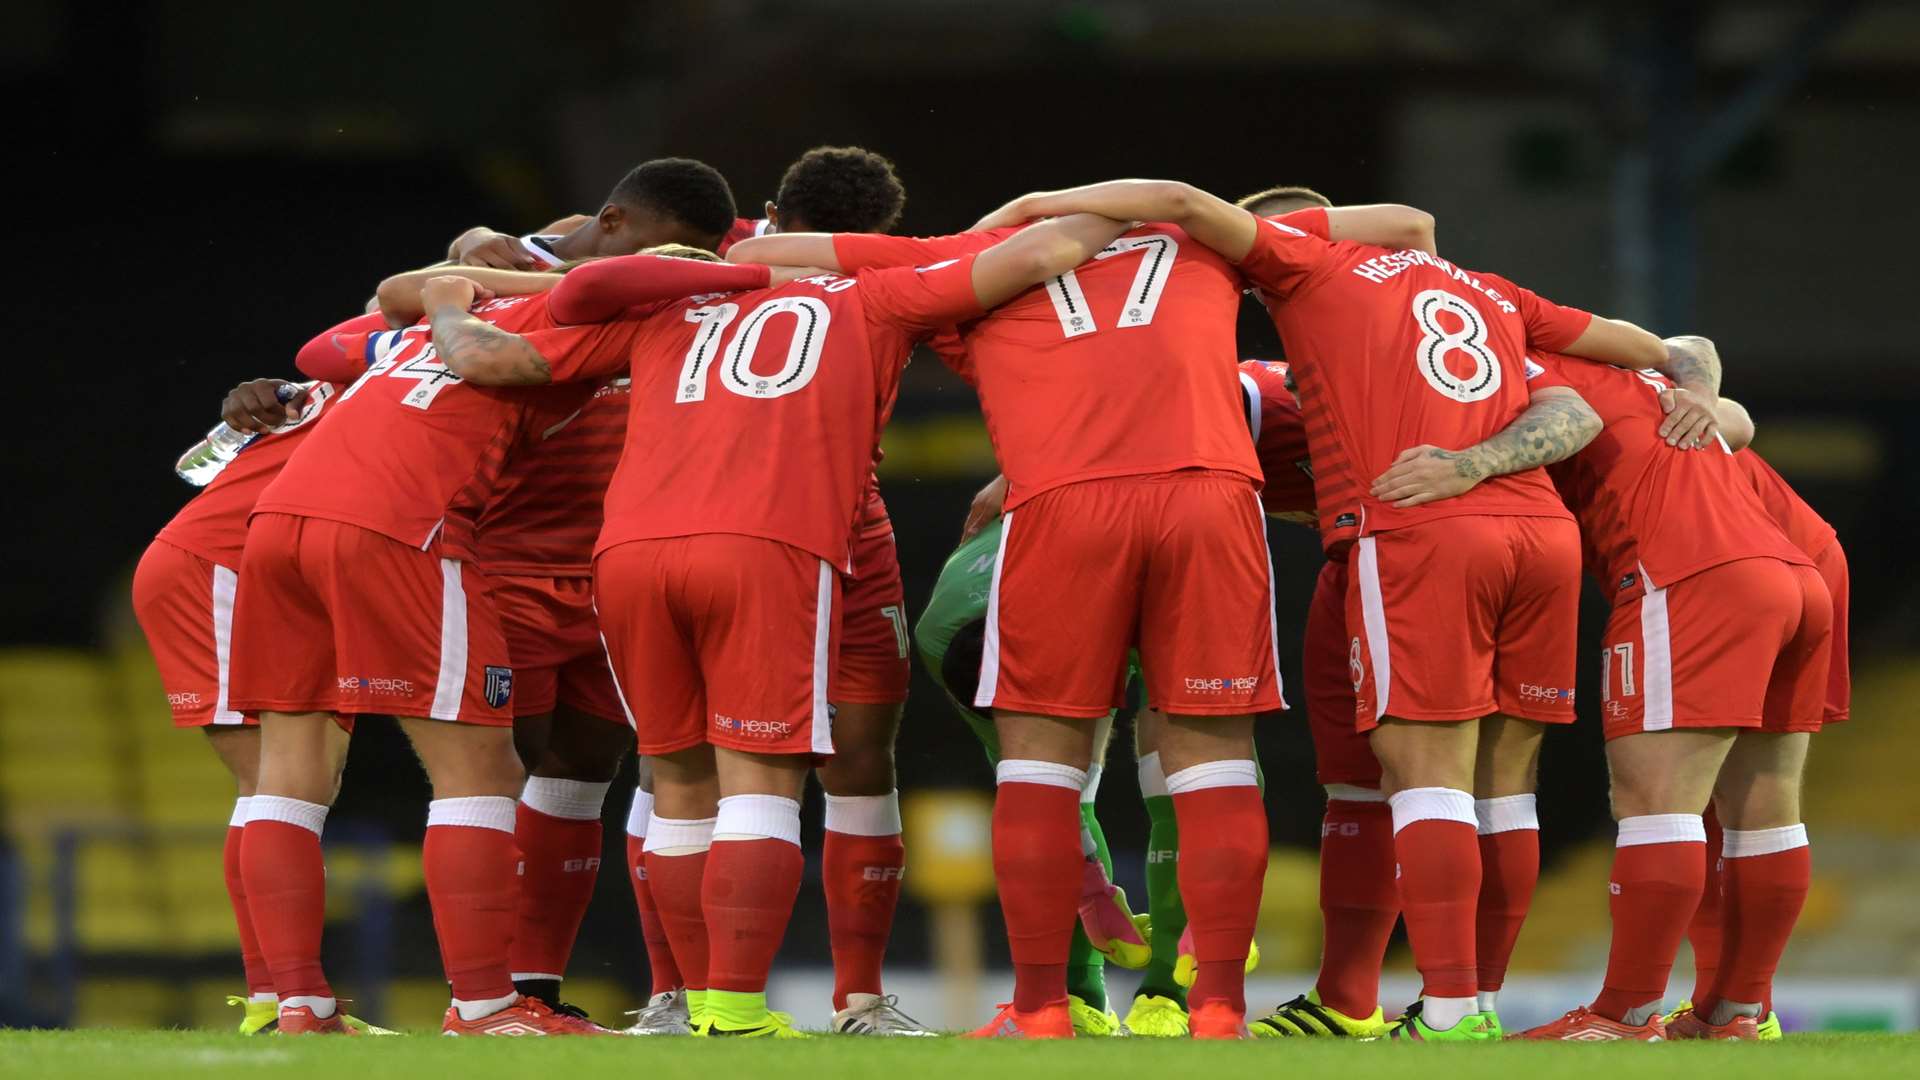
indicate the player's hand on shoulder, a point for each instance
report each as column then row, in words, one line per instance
column 255, row 406
column 1424, row 474
column 986, row 506
column 451, row 290
column 1693, row 421
column 482, row 246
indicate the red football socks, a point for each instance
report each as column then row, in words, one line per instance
column 1703, row 933
column 1767, row 875
column 1437, row 849
column 861, row 864
column 470, row 859
column 747, row 897
column 674, row 881
column 559, row 863
column 664, row 972
column 1223, row 862
column 285, row 878
column 1509, row 869
column 1359, row 903
column 1658, row 869
column 259, row 979
column 1036, row 863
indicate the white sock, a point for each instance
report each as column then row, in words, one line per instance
column 1488, row 1000
column 474, row 1010
column 322, row 1007
column 678, row 836
column 1724, row 1011
column 473, row 812
column 1441, row 1013
column 757, row 817
column 1049, row 773
column 574, row 800
column 1153, row 779
column 309, row 816
column 262, row 997
column 639, row 812
column 863, row 815
column 241, row 811
column 1229, row 772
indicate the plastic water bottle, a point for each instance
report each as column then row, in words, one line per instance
column 199, row 465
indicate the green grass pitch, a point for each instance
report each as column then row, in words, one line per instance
column 200, row 1056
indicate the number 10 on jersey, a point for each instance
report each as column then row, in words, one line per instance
column 735, row 358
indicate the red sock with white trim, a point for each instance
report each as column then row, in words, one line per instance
column 1658, row 865
column 753, row 876
column 1223, row 862
column 285, row 878
column 470, row 859
column 1036, row 866
column 665, row 974
column 557, row 830
column 676, row 855
column 861, row 865
column 1359, row 901
column 259, row 978
column 1436, row 847
column 1703, row 933
column 1509, row 869
column 1768, row 872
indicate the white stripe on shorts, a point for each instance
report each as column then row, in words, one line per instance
column 225, row 584
column 822, row 661
column 1656, row 649
column 1266, row 557
column 1373, row 615
column 613, row 671
column 990, row 646
column 451, row 686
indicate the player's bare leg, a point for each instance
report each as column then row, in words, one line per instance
column 1427, row 770
column 1506, row 774
column 1766, row 868
column 281, row 867
column 470, row 860
column 1661, row 780
column 1223, row 859
column 861, row 864
column 752, row 877
column 1036, row 855
column 571, row 759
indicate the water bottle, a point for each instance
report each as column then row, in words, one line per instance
column 199, row 465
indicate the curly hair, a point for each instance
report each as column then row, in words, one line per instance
column 691, row 192
column 840, row 189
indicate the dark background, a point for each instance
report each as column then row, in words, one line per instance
column 201, row 186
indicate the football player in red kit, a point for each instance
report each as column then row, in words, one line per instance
column 719, row 566
column 1714, row 672
column 1398, row 349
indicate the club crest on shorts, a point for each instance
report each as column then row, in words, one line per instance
column 499, row 685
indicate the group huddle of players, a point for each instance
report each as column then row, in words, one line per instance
column 594, row 488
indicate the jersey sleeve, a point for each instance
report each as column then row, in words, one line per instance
column 865, row 251
column 1550, row 325
column 1544, row 371
column 603, row 289
column 1285, row 256
column 922, row 299
column 1312, row 219
column 340, row 353
column 588, row 351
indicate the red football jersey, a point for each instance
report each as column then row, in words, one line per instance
column 1122, row 367
column 1279, row 439
column 1648, row 510
column 743, row 228
column 757, row 412
column 213, row 525
column 413, row 451
column 1395, row 349
column 545, row 513
column 1802, row 524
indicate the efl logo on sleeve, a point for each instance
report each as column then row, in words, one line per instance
column 499, row 685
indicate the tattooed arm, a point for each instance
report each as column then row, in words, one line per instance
column 478, row 352
column 1555, row 427
column 1692, row 410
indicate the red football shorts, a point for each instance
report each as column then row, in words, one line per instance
column 1832, row 564
column 1741, row 645
column 873, row 668
column 1174, row 561
column 721, row 639
column 335, row 618
column 1462, row 617
column 185, row 605
column 1341, row 754
column 554, row 641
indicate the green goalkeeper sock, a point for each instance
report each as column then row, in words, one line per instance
column 1086, row 967
column 1168, row 915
